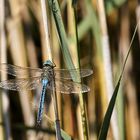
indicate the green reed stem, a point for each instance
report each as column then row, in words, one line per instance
column 81, row 97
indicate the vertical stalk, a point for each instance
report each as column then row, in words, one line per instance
column 81, row 97
column 4, row 104
column 57, row 121
column 17, row 50
column 138, row 18
column 45, row 24
column 54, row 96
column 107, row 63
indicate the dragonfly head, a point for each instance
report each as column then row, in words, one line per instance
column 49, row 63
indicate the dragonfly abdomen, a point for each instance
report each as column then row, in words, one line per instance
column 42, row 100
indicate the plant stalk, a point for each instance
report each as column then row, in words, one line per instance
column 54, row 96
column 81, row 97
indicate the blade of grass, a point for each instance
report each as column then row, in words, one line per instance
column 123, row 43
column 106, row 121
column 54, row 6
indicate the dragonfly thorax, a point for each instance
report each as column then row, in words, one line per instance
column 47, row 73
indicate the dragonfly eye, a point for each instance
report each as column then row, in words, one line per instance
column 49, row 63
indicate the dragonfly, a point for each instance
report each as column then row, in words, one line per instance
column 27, row 78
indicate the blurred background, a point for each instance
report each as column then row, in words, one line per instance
column 105, row 29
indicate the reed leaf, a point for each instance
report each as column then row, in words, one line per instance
column 61, row 32
column 106, row 122
column 107, row 118
column 65, row 136
column 67, row 57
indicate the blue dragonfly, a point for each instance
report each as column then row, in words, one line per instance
column 30, row 78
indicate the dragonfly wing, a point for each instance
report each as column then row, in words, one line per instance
column 69, row 87
column 21, row 84
column 20, row 72
column 67, row 74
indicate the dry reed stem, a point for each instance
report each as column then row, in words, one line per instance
column 36, row 6
column 82, row 100
column 48, row 53
column 100, row 87
column 30, row 45
column 107, row 64
column 4, row 116
column 17, row 51
column 57, row 58
column 68, row 108
column 17, row 48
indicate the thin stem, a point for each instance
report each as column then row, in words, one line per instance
column 4, row 100
column 81, row 97
column 57, row 122
column 45, row 23
column 54, row 97
column 76, row 29
column 130, row 47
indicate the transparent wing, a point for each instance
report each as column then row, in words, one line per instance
column 20, row 72
column 67, row 74
column 21, row 84
column 69, row 87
